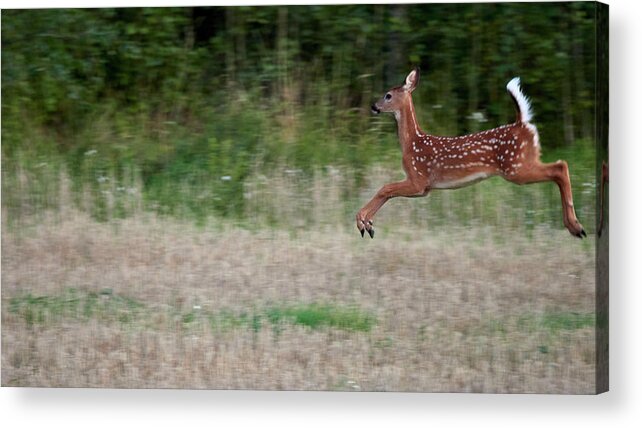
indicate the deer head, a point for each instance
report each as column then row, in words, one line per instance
column 396, row 97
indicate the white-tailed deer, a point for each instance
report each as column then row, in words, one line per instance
column 603, row 181
column 432, row 162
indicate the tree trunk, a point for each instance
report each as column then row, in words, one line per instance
column 282, row 51
column 230, row 55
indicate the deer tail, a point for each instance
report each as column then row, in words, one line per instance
column 522, row 103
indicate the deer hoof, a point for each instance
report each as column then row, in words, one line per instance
column 583, row 233
column 362, row 232
column 371, row 232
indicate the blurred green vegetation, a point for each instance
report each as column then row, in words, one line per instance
column 109, row 307
column 176, row 110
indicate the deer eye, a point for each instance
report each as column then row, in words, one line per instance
column 388, row 96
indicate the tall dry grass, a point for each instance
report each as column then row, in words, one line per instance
column 457, row 308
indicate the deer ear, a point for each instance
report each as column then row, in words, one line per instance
column 411, row 80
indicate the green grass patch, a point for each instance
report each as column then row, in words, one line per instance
column 567, row 321
column 323, row 315
column 75, row 304
column 109, row 307
column 548, row 323
column 552, row 322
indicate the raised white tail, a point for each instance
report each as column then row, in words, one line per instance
column 524, row 110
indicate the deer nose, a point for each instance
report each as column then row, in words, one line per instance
column 375, row 109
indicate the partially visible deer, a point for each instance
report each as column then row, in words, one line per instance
column 432, row 162
column 603, row 181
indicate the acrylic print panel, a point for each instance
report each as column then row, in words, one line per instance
column 190, row 198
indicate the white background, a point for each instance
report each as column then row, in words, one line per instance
column 619, row 407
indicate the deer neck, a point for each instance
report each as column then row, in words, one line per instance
column 407, row 126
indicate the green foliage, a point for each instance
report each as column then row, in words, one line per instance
column 191, row 102
column 59, row 64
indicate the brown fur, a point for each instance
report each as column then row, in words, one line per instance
column 434, row 162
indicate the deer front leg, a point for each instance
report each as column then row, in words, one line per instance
column 407, row 188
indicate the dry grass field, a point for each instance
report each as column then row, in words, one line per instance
column 154, row 303
column 179, row 189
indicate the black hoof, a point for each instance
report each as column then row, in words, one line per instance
column 362, row 232
column 583, row 233
column 371, row 233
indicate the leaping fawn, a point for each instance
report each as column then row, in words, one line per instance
column 432, row 162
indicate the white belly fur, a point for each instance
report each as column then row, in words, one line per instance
column 461, row 182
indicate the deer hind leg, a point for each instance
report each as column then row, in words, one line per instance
column 557, row 172
column 407, row 188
